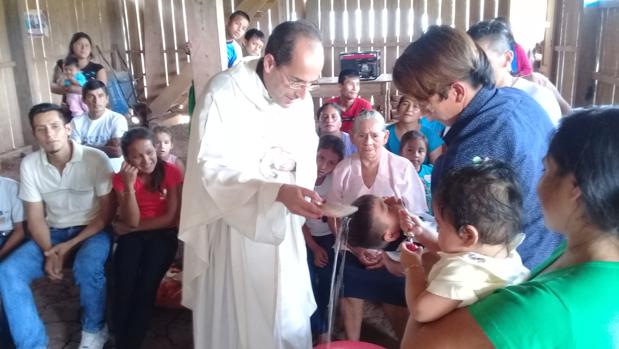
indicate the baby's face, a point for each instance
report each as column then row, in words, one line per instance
column 71, row 70
column 254, row 46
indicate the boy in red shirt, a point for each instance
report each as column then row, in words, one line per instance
column 349, row 98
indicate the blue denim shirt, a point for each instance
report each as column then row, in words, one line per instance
column 506, row 124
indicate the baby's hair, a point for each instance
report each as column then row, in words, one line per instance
column 332, row 143
column 485, row 195
column 163, row 129
column 412, row 136
column 253, row 32
column 363, row 230
column 70, row 60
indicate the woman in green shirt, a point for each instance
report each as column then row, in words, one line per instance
column 571, row 300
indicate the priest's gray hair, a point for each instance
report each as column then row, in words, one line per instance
column 369, row 115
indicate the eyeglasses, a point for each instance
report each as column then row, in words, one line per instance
column 298, row 84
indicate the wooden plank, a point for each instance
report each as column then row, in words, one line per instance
column 505, row 5
column 587, row 55
column 474, row 12
column 300, row 9
column 251, row 7
column 604, row 93
column 433, row 9
column 365, row 6
column 206, row 26
column 312, row 13
column 418, row 11
column 11, row 134
column 447, row 12
column 390, row 54
column 405, row 23
column 339, row 46
column 153, row 49
column 461, row 19
column 489, row 9
column 325, row 30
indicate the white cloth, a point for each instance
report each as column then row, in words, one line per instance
column 396, row 177
column 70, row 198
column 245, row 268
column 96, row 133
column 11, row 207
column 542, row 96
column 470, row 276
column 318, row 227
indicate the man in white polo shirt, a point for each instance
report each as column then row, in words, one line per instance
column 101, row 128
column 66, row 189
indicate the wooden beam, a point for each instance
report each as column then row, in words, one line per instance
column 166, row 97
column 207, row 27
column 251, row 7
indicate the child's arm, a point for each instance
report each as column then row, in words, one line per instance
column 321, row 258
column 423, row 305
column 14, row 239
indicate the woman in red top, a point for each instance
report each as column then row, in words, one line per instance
column 148, row 193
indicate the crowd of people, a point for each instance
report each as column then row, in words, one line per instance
column 523, row 197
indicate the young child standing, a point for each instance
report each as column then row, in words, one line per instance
column 164, row 144
column 74, row 77
column 148, row 191
column 479, row 216
column 319, row 238
column 414, row 147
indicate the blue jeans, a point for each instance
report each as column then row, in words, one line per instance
column 5, row 334
column 26, row 264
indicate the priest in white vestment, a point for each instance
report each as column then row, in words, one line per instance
column 250, row 165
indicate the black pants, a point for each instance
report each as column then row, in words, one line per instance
column 140, row 262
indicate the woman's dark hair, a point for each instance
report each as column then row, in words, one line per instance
column 77, row 36
column 485, row 195
column 47, row 107
column 412, row 136
column 329, row 104
column 439, row 57
column 363, row 230
column 332, row 143
column 142, row 133
column 496, row 33
column 282, row 41
column 587, row 146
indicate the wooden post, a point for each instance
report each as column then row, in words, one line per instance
column 206, row 26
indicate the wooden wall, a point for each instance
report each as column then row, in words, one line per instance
column 585, row 53
column 607, row 74
column 99, row 18
column 11, row 135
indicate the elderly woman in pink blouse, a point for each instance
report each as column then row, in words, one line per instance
column 373, row 170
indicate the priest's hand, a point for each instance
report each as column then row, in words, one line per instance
column 295, row 199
